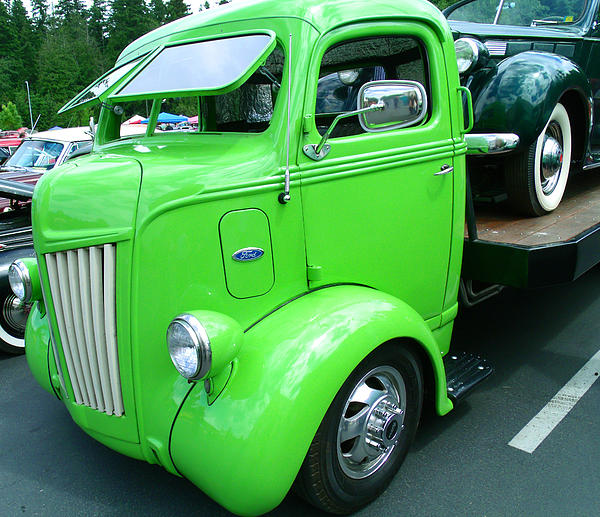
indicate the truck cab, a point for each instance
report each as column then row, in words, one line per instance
column 274, row 292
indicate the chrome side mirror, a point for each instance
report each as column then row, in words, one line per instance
column 319, row 151
column 382, row 105
column 404, row 104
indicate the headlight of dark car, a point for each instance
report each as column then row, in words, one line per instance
column 469, row 53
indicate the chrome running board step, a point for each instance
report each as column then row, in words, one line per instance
column 464, row 371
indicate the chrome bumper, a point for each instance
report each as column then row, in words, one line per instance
column 490, row 143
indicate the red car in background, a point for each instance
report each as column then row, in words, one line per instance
column 9, row 141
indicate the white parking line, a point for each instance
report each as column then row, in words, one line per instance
column 542, row 424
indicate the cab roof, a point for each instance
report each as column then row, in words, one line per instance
column 323, row 15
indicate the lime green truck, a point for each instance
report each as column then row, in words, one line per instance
column 265, row 301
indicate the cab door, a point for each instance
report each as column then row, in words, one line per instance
column 378, row 206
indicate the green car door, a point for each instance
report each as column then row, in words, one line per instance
column 387, row 194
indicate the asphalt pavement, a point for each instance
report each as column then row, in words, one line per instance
column 460, row 465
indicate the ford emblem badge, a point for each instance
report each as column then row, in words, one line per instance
column 247, row 254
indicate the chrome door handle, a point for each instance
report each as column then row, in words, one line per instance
column 445, row 169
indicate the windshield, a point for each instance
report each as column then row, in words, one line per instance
column 100, row 86
column 40, row 154
column 212, row 65
column 529, row 13
column 248, row 108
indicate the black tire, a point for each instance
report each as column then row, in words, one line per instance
column 13, row 316
column 531, row 191
column 329, row 478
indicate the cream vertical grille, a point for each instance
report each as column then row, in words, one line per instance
column 82, row 285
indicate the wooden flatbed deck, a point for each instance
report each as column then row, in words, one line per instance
column 579, row 210
column 537, row 251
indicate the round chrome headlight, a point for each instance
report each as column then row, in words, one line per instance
column 467, row 54
column 20, row 280
column 189, row 347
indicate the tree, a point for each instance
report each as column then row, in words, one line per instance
column 16, row 66
column 68, row 61
column 9, row 117
column 158, row 11
column 39, row 16
column 97, row 23
column 5, row 71
column 176, row 9
column 128, row 20
column 66, row 10
column 4, row 30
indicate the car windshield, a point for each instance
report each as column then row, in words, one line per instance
column 35, row 154
column 529, row 13
column 100, row 86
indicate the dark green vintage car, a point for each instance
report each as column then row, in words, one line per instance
column 533, row 69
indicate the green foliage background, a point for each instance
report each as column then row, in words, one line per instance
column 60, row 51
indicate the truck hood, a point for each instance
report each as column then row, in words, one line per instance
column 100, row 197
column 93, row 199
column 179, row 167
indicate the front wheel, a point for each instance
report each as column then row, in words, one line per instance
column 536, row 179
column 366, row 432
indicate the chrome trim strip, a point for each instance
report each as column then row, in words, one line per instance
column 491, row 143
column 496, row 48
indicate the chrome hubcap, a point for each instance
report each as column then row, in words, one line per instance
column 372, row 422
column 15, row 314
column 552, row 158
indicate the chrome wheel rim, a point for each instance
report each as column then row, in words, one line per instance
column 552, row 158
column 372, row 422
column 14, row 319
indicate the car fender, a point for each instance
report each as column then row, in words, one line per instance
column 245, row 449
column 521, row 95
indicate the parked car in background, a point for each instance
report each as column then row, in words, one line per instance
column 4, row 154
column 533, row 71
column 40, row 153
column 15, row 241
column 37, row 154
column 9, row 141
column 43, row 151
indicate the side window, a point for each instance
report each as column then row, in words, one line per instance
column 347, row 66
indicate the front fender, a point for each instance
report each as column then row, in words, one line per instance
column 521, row 95
column 246, row 448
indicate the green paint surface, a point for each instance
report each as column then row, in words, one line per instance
column 383, row 231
